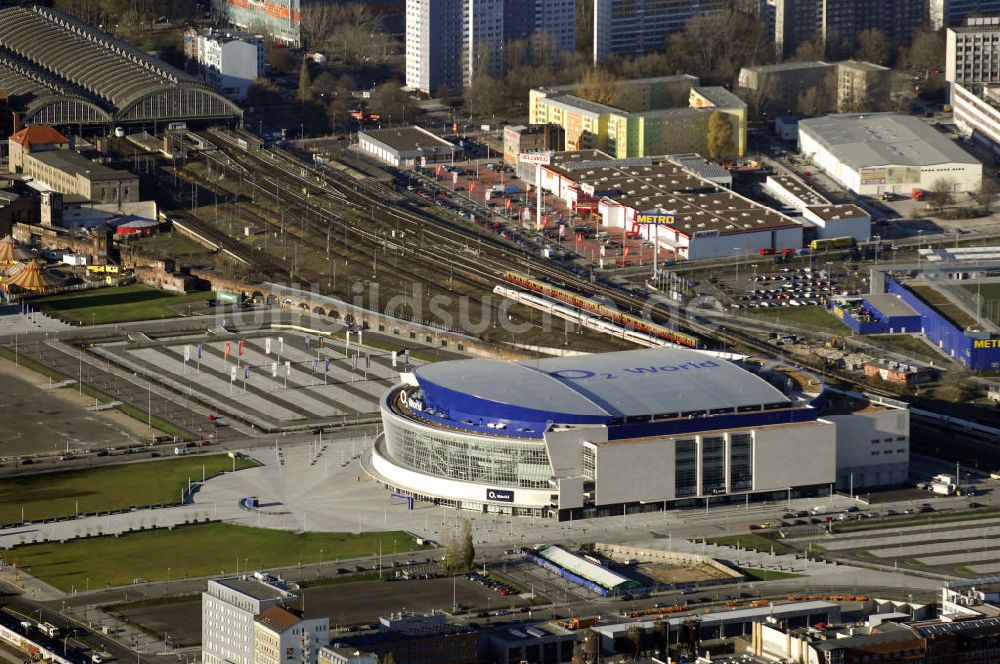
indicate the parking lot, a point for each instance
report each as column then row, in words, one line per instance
column 491, row 195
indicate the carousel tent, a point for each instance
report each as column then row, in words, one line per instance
column 10, row 253
column 29, row 278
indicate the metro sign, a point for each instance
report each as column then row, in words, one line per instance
column 654, row 218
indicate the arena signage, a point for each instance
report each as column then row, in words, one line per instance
column 500, row 495
column 583, row 374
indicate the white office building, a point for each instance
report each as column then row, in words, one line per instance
column 230, row 61
column 978, row 116
column 972, row 54
column 875, row 153
column 447, row 41
column 946, row 13
column 228, row 609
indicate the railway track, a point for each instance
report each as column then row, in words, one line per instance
column 481, row 258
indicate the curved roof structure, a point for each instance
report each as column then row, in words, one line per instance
column 603, row 389
column 30, row 278
column 65, row 71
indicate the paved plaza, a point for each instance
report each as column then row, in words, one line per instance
column 277, row 378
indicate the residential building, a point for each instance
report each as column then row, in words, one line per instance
column 280, row 635
column 434, row 37
column 875, row 153
column 280, row 20
column 44, row 154
column 847, row 86
column 230, row 61
column 228, row 609
column 448, row 42
column 798, row 21
column 665, row 115
column 536, row 138
column 972, row 54
column 947, row 13
column 775, row 89
column 634, row 27
column 862, row 86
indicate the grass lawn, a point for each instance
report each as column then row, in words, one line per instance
column 815, row 317
column 768, row 574
column 908, row 345
column 751, row 542
column 56, row 494
column 114, row 304
column 190, row 551
column 170, row 244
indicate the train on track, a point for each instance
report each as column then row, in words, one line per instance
column 603, row 310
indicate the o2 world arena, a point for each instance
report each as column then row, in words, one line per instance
column 643, row 430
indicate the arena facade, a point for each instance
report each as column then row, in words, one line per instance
column 643, row 430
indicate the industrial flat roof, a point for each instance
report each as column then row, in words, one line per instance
column 603, row 386
column 408, row 139
column 253, row 588
column 798, row 189
column 74, row 163
column 748, row 614
column 883, row 139
column 835, row 212
column 698, row 205
column 789, row 66
column 891, row 305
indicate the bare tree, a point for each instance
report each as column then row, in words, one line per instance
column 873, row 46
column 927, row 51
column 599, row 86
column 986, row 194
column 941, row 194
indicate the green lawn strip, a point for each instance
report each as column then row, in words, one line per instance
column 113, row 304
column 913, row 562
column 190, row 551
column 768, row 574
column 864, row 554
column 814, row 316
column 56, row 494
column 155, row 601
column 752, row 542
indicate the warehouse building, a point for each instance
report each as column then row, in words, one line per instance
column 406, row 147
column 632, row 431
column 875, row 153
column 61, row 71
column 709, row 220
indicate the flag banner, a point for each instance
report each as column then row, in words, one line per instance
column 314, row 365
column 201, row 349
column 241, row 345
column 326, row 368
column 603, row 250
column 354, row 362
column 406, row 356
column 368, row 360
column 232, row 374
column 288, row 368
column 267, row 346
column 187, row 353
column 308, row 343
column 274, row 369
column 246, row 373
column 281, row 345
column 393, row 359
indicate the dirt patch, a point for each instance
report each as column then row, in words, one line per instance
column 664, row 573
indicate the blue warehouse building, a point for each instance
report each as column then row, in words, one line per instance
column 613, row 433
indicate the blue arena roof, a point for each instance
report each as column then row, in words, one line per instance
column 600, row 389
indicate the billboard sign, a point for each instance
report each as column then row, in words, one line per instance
column 500, row 495
column 654, row 217
column 536, row 158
